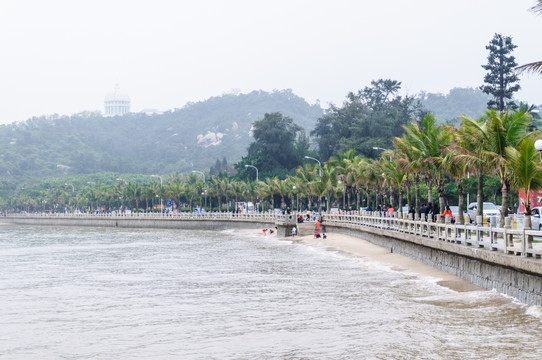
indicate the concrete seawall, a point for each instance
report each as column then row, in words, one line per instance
column 517, row 276
column 142, row 223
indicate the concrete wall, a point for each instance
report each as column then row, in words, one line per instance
column 127, row 222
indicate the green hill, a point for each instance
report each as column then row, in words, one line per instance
column 459, row 101
column 185, row 139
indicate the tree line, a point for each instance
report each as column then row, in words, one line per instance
column 498, row 143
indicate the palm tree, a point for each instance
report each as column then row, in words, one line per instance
column 360, row 180
column 456, row 167
column 250, row 191
column 307, row 175
column 505, row 130
column 148, row 193
column 175, row 190
column 531, row 110
column 344, row 168
column 280, row 187
column 525, row 169
column 375, row 180
column 472, row 144
column 133, row 193
column 395, row 176
column 429, row 140
column 267, row 188
column 537, row 65
column 237, row 190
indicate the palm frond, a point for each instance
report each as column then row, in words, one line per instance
column 534, row 67
column 537, row 8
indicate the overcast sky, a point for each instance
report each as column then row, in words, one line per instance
column 64, row 56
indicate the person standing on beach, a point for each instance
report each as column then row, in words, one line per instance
column 318, row 223
column 294, row 231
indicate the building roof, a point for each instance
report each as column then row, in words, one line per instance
column 117, row 95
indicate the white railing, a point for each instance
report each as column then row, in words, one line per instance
column 506, row 240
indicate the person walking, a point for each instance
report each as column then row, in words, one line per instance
column 449, row 213
column 391, row 211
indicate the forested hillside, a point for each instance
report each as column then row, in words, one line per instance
column 459, row 101
column 193, row 137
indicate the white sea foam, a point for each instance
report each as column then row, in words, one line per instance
column 535, row 311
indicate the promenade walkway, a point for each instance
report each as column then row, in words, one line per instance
column 519, row 242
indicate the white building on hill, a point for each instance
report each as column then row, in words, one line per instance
column 117, row 102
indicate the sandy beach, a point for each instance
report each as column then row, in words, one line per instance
column 361, row 247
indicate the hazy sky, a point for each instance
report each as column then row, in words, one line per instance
column 64, row 56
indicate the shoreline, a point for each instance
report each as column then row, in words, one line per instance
column 401, row 263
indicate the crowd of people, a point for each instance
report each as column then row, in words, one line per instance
column 426, row 211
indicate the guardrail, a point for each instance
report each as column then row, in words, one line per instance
column 180, row 216
column 506, row 240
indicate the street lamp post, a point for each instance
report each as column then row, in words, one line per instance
column 73, row 191
column 158, row 176
column 538, row 147
column 200, row 172
column 318, row 161
column 319, row 174
column 344, row 192
column 379, row 148
column 297, row 197
column 252, row 166
column 257, row 180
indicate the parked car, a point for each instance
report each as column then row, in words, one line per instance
column 536, row 220
column 490, row 209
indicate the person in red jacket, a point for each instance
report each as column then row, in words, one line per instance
column 449, row 213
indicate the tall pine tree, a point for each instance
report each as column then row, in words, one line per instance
column 500, row 81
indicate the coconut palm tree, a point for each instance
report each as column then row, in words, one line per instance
column 472, row 144
column 267, row 188
column 456, row 167
column 430, row 139
column 536, row 66
column 176, row 190
column 280, row 188
column 395, row 176
column 307, row 175
column 344, row 169
column 250, row 191
column 133, row 193
column 505, row 130
column 525, row 168
column 410, row 159
column 148, row 193
column 531, row 110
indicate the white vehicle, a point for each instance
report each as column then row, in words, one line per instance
column 489, row 210
column 244, row 207
column 536, row 213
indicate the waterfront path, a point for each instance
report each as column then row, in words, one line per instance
column 517, row 242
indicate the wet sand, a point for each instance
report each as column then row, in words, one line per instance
column 362, row 247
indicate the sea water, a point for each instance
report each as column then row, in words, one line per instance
column 109, row 293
